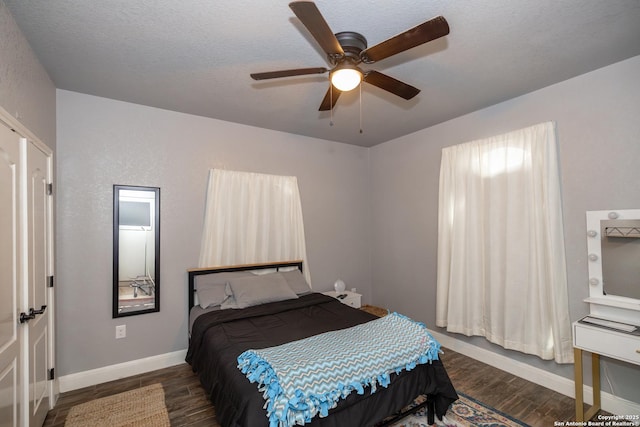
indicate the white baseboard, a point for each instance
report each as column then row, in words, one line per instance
column 610, row 403
column 121, row 370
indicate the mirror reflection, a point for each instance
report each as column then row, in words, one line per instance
column 620, row 240
column 136, row 251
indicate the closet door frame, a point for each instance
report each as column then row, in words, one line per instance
column 11, row 365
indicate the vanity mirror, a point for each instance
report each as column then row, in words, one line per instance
column 136, row 250
column 613, row 245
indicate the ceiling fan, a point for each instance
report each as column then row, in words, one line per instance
column 347, row 49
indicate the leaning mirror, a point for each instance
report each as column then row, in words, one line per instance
column 136, row 250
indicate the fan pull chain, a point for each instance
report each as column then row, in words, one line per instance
column 360, row 107
column 331, row 101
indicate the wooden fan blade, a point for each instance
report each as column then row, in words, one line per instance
column 288, row 73
column 390, row 84
column 330, row 99
column 308, row 13
column 425, row 32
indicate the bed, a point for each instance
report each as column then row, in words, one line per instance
column 218, row 336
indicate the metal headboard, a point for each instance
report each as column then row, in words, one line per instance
column 193, row 272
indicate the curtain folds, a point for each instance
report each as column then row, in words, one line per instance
column 501, row 258
column 252, row 218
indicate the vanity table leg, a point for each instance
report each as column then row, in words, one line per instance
column 595, row 374
column 578, row 381
column 579, row 384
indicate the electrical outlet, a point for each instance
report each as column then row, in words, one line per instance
column 121, row 331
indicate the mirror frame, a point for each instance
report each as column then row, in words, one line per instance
column 116, row 250
column 606, row 305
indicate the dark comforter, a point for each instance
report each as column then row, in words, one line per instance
column 219, row 337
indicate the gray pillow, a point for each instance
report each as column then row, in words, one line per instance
column 210, row 288
column 254, row 290
column 296, row 281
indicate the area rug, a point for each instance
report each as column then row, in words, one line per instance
column 142, row 407
column 464, row 412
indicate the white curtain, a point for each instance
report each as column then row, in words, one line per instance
column 252, row 218
column 501, row 259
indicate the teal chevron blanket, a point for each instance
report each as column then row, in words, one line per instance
column 303, row 378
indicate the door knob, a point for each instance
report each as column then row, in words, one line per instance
column 33, row 312
column 24, row 317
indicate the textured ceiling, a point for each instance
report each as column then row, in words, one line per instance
column 195, row 56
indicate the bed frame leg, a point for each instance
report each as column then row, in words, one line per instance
column 429, row 403
column 431, row 410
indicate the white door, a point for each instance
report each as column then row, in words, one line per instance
column 10, row 339
column 37, row 245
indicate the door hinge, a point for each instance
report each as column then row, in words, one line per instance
column 52, row 374
column 50, row 281
column 50, row 189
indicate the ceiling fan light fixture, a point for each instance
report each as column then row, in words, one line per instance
column 346, row 77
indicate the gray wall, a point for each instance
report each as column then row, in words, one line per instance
column 102, row 142
column 598, row 130
column 26, row 91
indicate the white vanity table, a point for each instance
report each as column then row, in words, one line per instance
column 599, row 341
column 613, row 327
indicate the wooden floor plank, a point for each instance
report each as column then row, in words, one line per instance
column 188, row 405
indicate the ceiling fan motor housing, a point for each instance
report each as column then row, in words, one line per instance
column 352, row 43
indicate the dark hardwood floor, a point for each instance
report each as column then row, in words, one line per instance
column 188, row 405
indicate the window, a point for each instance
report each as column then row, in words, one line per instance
column 252, row 218
column 501, row 260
